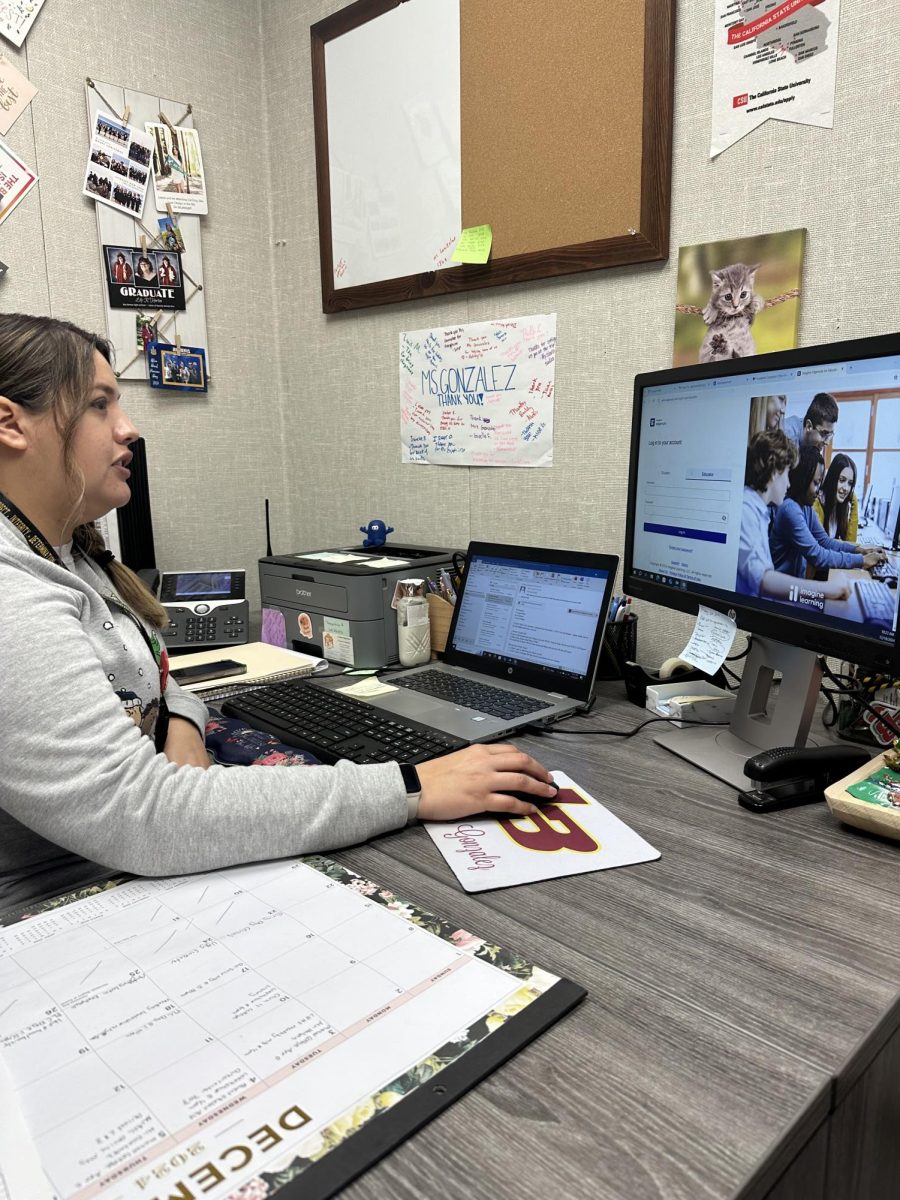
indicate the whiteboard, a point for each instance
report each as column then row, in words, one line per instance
column 394, row 155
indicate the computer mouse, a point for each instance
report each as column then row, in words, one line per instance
column 529, row 799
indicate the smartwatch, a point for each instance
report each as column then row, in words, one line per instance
column 413, row 790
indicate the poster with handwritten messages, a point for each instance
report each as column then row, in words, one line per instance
column 17, row 17
column 221, row 1034
column 479, row 395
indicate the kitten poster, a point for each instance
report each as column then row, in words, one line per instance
column 739, row 297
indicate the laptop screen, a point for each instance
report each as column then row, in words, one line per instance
column 538, row 615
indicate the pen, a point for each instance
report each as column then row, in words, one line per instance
column 622, row 610
column 614, row 606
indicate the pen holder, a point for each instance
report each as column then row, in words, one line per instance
column 440, row 614
column 619, row 646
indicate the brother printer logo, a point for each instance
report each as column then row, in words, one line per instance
column 301, row 592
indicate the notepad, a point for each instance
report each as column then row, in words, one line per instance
column 265, row 664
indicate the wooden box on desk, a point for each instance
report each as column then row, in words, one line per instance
column 440, row 614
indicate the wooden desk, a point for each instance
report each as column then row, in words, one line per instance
column 741, row 1037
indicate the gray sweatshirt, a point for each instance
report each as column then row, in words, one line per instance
column 82, row 790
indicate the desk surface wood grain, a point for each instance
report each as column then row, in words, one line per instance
column 737, row 987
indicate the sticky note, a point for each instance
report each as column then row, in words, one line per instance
column 474, row 245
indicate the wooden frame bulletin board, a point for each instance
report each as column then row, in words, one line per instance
column 550, row 122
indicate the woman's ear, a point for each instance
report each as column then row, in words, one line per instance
column 12, row 428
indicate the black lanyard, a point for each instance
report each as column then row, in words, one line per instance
column 42, row 547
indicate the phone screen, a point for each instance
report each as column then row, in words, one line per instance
column 213, row 670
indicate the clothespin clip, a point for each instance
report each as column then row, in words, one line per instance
column 165, row 120
column 170, row 214
column 144, row 244
column 125, row 115
column 177, row 343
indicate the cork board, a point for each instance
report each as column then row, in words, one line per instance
column 554, row 126
column 551, row 126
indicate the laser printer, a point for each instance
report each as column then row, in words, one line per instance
column 337, row 603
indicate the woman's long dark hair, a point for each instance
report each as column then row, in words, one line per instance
column 831, row 508
column 803, row 473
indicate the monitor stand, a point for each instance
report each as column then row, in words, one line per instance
column 762, row 718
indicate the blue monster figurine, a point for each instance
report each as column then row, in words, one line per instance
column 376, row 533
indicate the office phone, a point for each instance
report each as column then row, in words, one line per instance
column 205, row 608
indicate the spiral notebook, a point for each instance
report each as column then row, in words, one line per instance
column 265, row 664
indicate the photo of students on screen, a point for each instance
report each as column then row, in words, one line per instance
column 798, row 541
column 770, row 457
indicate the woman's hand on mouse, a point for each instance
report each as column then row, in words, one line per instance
column 479, row 779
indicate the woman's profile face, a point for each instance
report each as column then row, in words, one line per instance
column 120, row 258
column 774, row 412
column 844, row 484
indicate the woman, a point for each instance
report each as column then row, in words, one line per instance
column 836, row 506
column 167, row 274
column 104, row 764
column 798, row 540
column 770, row 457
column 145, row 271
column 121, row 270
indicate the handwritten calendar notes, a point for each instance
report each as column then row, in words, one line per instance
column 175, row 1038
column 480, row 394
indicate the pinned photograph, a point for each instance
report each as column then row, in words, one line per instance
column 739, row 297
column 177, row 169
column 16, row 181
column 146, row 328
column 118, row 167
column 151, row 280
column 178, row 369
column 17, row 17
column 16, row 93
column 170, row 234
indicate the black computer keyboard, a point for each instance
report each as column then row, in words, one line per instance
column 471, row 694
column 884, row 572
column 876, row 600
column 332, row 726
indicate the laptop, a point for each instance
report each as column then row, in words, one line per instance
column 528, row 625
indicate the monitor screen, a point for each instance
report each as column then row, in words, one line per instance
column 746, row 493
column 202, row 585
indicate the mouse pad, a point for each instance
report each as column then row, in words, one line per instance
column 571, row 835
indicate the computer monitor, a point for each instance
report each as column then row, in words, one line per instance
column 710, row 458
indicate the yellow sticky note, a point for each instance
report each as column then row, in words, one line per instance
column 474, row 245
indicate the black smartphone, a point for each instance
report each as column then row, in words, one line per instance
column 782, row 795
column 214, row 670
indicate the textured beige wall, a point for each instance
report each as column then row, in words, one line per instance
column 304, row 407
column 341, row 372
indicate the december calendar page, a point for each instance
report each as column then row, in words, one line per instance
column 185, row 1038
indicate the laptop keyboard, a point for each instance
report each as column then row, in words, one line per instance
column 332, row 726
column 471, row 694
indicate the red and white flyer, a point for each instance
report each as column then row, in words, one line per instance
column 772, row 58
